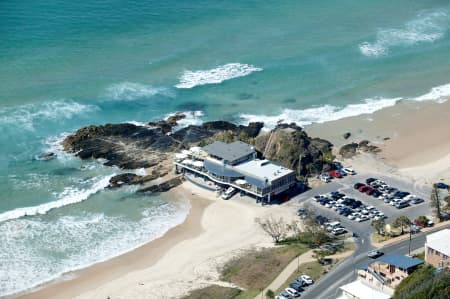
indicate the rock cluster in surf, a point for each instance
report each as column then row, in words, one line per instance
column 130, row 146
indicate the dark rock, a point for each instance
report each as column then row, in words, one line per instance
column 291, row 147
column 163, row 187
column 349, row 150
column 167, row 125
column 387, row 138
column 46, row 156
column 346, row 135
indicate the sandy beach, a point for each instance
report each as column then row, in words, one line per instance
column 415, row 143
column 414, row 139
column 186, row 257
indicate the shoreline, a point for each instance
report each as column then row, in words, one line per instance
column 139, row 258
column 413, row 137
column 417, row 147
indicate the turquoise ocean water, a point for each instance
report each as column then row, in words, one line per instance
column 65, row 64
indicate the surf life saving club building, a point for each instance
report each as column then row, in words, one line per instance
column 235, row 165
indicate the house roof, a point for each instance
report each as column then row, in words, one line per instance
column 360, row 290
column 263, row 170
column 400, row 261
column 229, row 151
column 439, row 241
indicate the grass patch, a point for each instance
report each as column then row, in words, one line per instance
column 256, row 269
column 349, row 246
column 420, row 256
column 313, row 269
column 213, row 292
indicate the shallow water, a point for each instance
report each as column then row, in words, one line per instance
column 67, row 64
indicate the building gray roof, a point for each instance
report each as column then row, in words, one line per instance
column 400, row 261
column 229, row 151
column 440, row 241
column 263, row 170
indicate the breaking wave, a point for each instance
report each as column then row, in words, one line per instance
column 326, row 113
column 69, row 196
column 427, row 27
column 27, row 115
column 217, row 75
column 129, row 91
column 319, row 114
column 192, row 118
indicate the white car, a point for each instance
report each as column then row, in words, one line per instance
column 352, row 216
column 306, row 279
column 362, row 218
column 292, row 292
column 349, row 171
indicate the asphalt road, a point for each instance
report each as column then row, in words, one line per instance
column 328, row 286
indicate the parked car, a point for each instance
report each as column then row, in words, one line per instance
column 358, row 185
column 335, row 174
column 441, row 185
column 374, row 254
column 401, row 205
column 302, row 213
column 370, row 180
column 306, row 279
column 341, row 172
column 338, row 231
column 362, row 218
column 364, row 188
column 417, row 200
column 323, row 178
column 297, row 286
column 349, row 171
column 292, row 292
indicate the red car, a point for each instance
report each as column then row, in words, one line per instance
column 364, row 188
column 335, row 174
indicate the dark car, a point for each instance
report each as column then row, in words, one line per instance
column 376, row 193
column 417, row 200
column 358, row 185
column 370, row 180
column 297, row 286
column 441, row 185
column 370, row 191
column 401, row 194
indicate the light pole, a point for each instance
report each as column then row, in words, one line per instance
column 409, row 247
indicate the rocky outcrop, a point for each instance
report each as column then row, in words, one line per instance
column 291, row 147
column 129, row 146
column 350, row 150
column 163, row 187
column 346, row 135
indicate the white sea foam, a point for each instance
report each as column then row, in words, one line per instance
column 129, row 91
column 217, row 75
column 34, row 251
column 69, row 196
column 439, row 94
column 320, row 114
column 27, row 115
column 326, row 113
column 427, row 27
column 192, row 118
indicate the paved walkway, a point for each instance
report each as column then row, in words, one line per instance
column 293, row 266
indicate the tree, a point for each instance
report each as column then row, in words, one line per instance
column 402, row 222
column 435, row 202
column 270, row 294
column 379, row 225
column 275, row 228
column 423, row 220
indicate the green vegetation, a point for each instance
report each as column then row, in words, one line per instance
column 401, row 222
column 378, row 225
column 256, row 269
column 425, row 283
column 213, row 292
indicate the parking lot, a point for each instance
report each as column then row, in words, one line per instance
column 372, row 207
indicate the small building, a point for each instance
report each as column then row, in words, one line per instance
column 360, row 290
column 388, row 271
column 236, row 165
column 437, row 249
